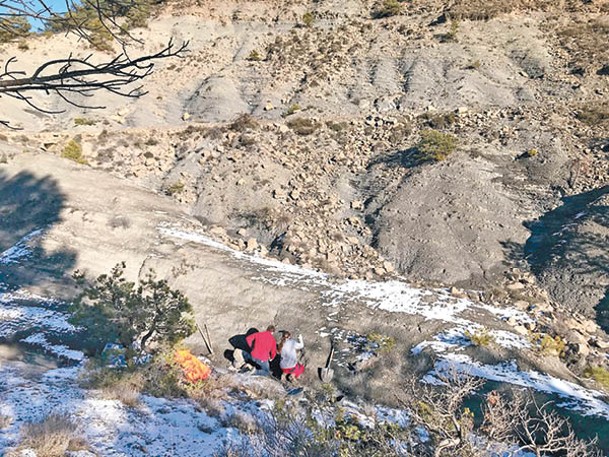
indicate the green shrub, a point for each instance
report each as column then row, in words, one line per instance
column 84, row 121
column 531, row 153
column 384, row 343
column 73, row 152
column 138, row 15
column 480, row 337
column 436, row 145
column 548, row 345
column 303, row 126
column 114, row 309
column 254, row 56
column 100, row 37
column 452, row 32
column 308, row 19
column 387, row 9
column 293, row 109
column 599, row 374
column 175, row 188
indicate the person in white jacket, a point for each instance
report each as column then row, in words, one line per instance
column 288, row 348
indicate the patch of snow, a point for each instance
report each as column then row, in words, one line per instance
column 509, row 340
column 59, row 350
column 586, row 401
column 15, row 318
column 20, row 250
column 292, row 272
column 453, row 338
column 506, row 313
column 399, row 297
column 155, row 427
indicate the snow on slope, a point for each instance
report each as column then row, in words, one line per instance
column 156, row 427
column 160, row 426
column 398, row 297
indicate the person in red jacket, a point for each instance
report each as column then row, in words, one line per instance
column 263, row 348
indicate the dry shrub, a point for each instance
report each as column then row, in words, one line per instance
column 243, row 123
column 127, row 390
column 303, row 126
column 115, row 384
column 5, row 421
column 52, row 437
column 243, row 422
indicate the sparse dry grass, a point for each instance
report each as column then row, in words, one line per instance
column 586, row 41
column 303, row 126
column 593, row 115
column 52, row 437
column 5, row 421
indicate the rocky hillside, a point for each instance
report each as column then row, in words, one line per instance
column 298, row 138
column 432, row 174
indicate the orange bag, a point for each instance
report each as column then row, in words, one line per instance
column 194, row 370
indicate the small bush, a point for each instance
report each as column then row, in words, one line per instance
column 439, row 121
column 303, row 126
column 308, row 19
column 293, row 109
column 337, row 126
column 115, row 384
column 23, row 46
column 5, row 421
column 73, row 152
column 84, row 121
column 100, row 37
column 175, row 188
column 52, row 437
column 254, row 56
column 384, row 343
column 243, row 123
column 436, row 145
column 480, row 337
column 473, row 65
column 452, row 32
column 599, row 374
column 387, row 9
column 531, row 153
column 138, row 15
column 548, row 345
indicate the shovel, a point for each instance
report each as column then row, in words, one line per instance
column 326, row 374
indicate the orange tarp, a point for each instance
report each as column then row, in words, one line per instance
column 194, row 370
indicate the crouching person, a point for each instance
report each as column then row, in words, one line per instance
column 263, row 349
column 288, row 348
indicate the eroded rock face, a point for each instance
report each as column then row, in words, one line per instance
column 450, row 222
column 567, row 250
